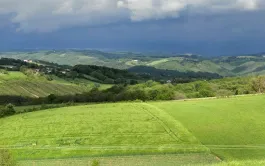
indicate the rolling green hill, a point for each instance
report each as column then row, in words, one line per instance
column 18, row 84
column 232, row 129
column 96, row 130
column 224, row 65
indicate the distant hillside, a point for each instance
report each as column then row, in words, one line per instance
column 19, row 84
column 96, row 74
column 172, row 75
column 224, row 65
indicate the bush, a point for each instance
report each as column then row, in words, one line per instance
column 206, row 93
column 49, row 78
column 10, row 110
column 3, row 71
column 51, row 98
column 6, row 158
column 109, row 81
column 223, row 93
column 179, row 96
column 7, row 110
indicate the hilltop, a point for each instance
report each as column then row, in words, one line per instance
column 33, row 82
column 223, row 65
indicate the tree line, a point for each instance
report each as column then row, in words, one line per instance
column 152, row 91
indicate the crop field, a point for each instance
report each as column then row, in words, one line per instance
column 18, row 84
column 201, row 132
column 37, row 88
column 232, row 128
column 96, row 130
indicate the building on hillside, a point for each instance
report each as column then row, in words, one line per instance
column 28, row 61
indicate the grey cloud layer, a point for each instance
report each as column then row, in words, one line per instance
column 47, row 15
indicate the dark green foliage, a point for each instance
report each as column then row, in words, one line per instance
column 105, row 74
column 173, row 75
column 51, row 98
column 258, row 84
column 45, row 106
column 6, row 158
column 7, row 110
column 93, row 73
column 223, row 93
column 49, row 77
column 151, row 90
column 23, row 69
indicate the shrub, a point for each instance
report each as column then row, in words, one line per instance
column 10, row 110
column 206, row 93
column 3, row 71
column 7, row 110
column 223, row 93
column 51, row 98
column 179, row 96
column 49, row 78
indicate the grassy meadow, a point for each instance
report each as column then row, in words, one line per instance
column 96, row 130
column 200, row 132
column 232, row 128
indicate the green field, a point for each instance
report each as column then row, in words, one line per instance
column 18, row 84
column 232, row 128
column 195, row 131
column 91, row 130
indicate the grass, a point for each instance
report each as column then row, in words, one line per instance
column 146, row 160
column 96, row 130
column 38, row 88
column 18, row 84
column 12, row 76
column 232, row 128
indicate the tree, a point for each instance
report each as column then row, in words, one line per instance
column 23, row 69
column 237, row 92
column 258, row 84
column 49, row 78
column 72, row 74
column 179, row 96
column 133, row 82
column 223, row 93
column 109, row 81
column 10, row 110
column 51, row 98
column 7, row 110
column 98, row 75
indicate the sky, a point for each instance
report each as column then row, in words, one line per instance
column 206, row 27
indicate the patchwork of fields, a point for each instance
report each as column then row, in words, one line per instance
column 195, row 131
column 18, row 84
